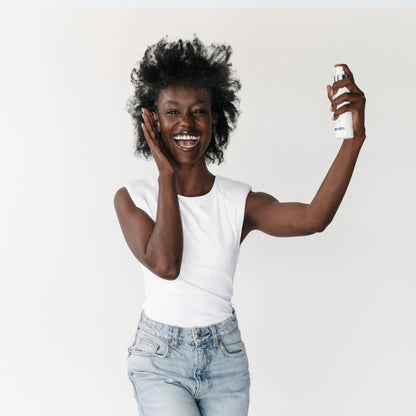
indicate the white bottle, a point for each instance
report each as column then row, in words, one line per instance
column 343, row 124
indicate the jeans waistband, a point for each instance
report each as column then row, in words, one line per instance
column 175, row 334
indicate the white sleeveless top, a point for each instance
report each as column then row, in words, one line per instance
column 212, row 225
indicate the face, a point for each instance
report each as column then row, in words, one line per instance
column 185, row 121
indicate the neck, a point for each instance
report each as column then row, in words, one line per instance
column 193, row 180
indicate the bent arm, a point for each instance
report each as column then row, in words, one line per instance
column 156, row 244
column 284, row 219
column 265, row 213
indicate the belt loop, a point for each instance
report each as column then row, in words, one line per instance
column 214, row 335
column 175, row 337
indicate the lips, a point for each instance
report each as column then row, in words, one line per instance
column 186, row 141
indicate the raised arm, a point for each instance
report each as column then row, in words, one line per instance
column 156, row 244
column 267, row 214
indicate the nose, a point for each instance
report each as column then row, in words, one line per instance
column 186, row 119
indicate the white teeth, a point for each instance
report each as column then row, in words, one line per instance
column 186, row 137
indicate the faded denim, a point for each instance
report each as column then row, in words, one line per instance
column 189, row 371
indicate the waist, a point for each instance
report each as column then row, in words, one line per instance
column 188, row 335
column 187, row 304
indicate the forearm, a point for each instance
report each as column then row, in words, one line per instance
column 324, row 205
column 165, row 245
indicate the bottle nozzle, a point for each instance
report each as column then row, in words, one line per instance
column 339, row 73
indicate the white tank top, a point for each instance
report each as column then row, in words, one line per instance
column 212, row 225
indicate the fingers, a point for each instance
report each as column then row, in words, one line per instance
column 152, row 135
column 355, row 105
column 346, row 97
column 150, row 129
column 148, row 135
column 151, row 118
column 348, row 82
column 329, row 92
column 345, row 108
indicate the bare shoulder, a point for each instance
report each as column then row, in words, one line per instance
column 126, row 209
column 123, row 203
column 257, row 200
column 125, row 206
column 254, row 202
column 122, row 198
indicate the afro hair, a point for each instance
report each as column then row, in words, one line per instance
column 191, row 64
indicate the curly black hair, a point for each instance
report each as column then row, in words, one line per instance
column 192, row 64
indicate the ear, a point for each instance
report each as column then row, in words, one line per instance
column 214, row 120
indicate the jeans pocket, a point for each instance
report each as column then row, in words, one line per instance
column 149, row 346
column 236, row 349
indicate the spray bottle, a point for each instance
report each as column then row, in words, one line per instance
column 343, row 124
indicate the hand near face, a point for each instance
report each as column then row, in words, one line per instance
column 356, row 101
column 164, row 161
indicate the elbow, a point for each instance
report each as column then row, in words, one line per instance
column 169, row 275
column 167, row 272
column 319, row 228
column 316, row 227
column 162, row 266
column 316, row 221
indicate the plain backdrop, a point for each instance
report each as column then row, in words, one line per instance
column 328, row 320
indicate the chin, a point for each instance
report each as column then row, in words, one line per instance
column 184, row 158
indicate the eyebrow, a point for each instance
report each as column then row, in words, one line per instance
column 173, row 102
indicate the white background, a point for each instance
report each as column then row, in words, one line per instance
column 328, row 319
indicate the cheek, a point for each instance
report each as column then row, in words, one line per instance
column 164, row 128
column 206, row 125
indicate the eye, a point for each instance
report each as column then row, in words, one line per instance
column 172, row 112
column 199, row 111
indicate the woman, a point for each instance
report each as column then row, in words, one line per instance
column 185, row 226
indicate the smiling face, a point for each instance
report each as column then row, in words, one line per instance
column 186, row 122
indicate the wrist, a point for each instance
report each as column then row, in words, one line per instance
column 354, row 144
column 168, row 174
column 360, row 136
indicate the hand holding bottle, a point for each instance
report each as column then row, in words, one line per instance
column 354, row 99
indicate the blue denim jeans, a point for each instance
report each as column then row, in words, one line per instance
column 189, row 371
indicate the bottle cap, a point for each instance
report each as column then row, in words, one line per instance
column 339, row 73
column 339, row 70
